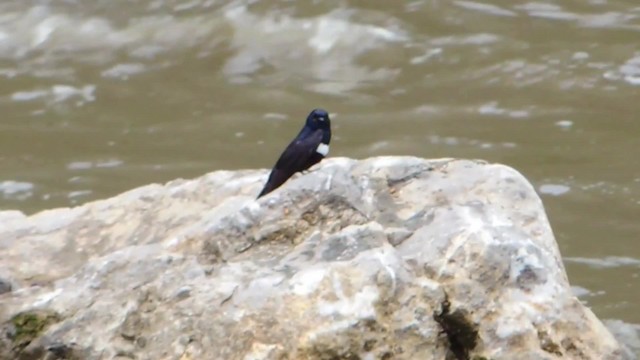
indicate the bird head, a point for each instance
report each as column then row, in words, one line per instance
column 318, row 119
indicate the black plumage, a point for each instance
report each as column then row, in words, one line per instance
column 307, row 149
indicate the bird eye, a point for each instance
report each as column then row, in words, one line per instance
column 321, row 118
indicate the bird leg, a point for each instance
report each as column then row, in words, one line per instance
column 309, row 170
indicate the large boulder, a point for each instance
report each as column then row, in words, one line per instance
column 384, row 258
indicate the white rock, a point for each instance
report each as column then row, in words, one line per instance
column 358, row 259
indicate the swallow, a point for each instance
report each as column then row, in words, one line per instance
column 307, row 149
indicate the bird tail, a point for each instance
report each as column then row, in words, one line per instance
column 276, row 179
column 265, row 191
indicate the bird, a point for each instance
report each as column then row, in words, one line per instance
column 308, row 148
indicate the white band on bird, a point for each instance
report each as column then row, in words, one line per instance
column 323, row 149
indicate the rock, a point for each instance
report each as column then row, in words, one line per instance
column 24, row 329
column 628, row 334
column 5, row 286
column 385, row 258
column 8, row 215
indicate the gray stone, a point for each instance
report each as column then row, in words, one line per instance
column 384, row 258
column 5, row 286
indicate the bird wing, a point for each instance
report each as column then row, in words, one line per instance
column 296, row 157
column 298, row 153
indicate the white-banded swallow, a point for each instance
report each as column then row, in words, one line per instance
column 307, row 149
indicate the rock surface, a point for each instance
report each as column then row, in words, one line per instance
column 385, row 258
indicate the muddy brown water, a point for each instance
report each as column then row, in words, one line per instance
column 100, row 97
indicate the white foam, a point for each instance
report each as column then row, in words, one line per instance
column 554, row 189
column 79, row 193
column 607, row 262
column 28, row 95
column 109, row 163
column 123, row 71
column 485, row 8
column 64, row 92
column 11, row 187
column 327, row 48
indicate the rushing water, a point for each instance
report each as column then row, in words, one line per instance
column 100, row 96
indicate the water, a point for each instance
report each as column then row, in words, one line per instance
column 101, row 96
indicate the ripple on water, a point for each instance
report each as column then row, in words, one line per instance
column 124, row 71
column 52, row 34
column 28, row 95
column 584, row 294
column 606, row 262
column 430, row 53
column 275, row 116
column 473, row 39
column 58, row 94
column 17, row 190
column 554, row 189
column 547, row 11
column 597, row 19
column 85, row 165
column 564, row 124
column 78, row 193
column 485, row 8
column 324, row 48
column 108, row 163
column 80, row 165
column 626, row 333
column 630, row 70
column 492, row 108
column 459, row 141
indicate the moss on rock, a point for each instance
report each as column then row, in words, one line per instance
column 28, row 326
